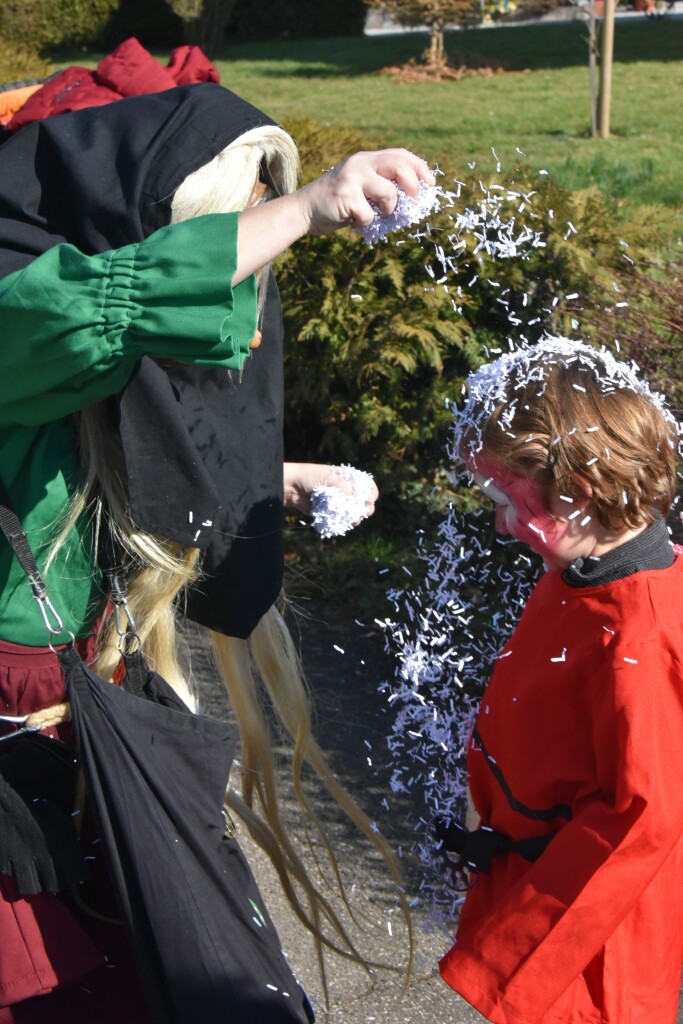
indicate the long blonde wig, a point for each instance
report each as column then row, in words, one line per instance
column 265, row 665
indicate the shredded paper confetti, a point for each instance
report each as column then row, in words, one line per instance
column 449, row 625
column 334, row 512
column 408, row 211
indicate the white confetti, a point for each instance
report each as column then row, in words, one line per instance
column 408, row 211
column 334, row 512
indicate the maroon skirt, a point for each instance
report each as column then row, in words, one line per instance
column 58, row 962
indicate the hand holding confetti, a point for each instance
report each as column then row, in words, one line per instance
column 334, row 512
column 409, row 210
column 358, row 188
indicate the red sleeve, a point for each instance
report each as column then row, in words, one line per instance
column 546, row 928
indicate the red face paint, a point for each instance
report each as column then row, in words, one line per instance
column 522, row 512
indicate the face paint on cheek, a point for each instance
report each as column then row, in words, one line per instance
column 533, row 523
column 521, row 511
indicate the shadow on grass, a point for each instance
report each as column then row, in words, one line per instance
column 535, row 47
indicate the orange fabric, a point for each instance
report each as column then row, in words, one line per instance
column 12, row 100
column 585, row 707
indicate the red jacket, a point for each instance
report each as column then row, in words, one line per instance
column 585, row 708
column 128, row 71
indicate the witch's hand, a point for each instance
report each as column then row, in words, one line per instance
column 302, row 478
column 343, row 195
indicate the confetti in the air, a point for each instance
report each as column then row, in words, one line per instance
column 451, row 621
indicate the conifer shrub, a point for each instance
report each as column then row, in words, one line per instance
column 374, row 347
column 40, row 24
column 20, row 63
column 650, row 327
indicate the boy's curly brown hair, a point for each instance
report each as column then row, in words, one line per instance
column 569, row 424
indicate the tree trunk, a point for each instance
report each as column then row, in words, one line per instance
column 208, row 29
column 593, row 67
column 437, row 50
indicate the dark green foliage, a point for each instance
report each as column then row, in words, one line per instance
column 19, row 63
column 51, row 23
column 273, row 19
column 368, row 377
column 650, row 328
column 153, row 23
column 374, row 346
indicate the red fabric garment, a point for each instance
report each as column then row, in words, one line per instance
column 42, row 945
column 585, row 707
column 130, row 70
column 57, row 962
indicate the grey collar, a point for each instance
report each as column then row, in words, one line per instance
column 650, row 550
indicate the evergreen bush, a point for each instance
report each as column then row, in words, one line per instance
column 21, row 63
column 38, row 24
column 374, row 346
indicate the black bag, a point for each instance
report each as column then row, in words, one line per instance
column 39, row 845
column 156, row 776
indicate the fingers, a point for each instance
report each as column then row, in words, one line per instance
column 378, row 175
column 301, row 479
column 404, row 169
column 334, row 479
column 360, row 186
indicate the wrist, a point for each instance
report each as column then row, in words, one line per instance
column 266, row 230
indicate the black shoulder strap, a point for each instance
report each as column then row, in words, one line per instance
column 16, row 538
column 545, row 814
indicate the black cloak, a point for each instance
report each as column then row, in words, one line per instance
column 105, row 177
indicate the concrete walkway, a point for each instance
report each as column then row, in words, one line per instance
column 381, row 24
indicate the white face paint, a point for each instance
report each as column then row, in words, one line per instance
column 506, row 510
column 491, row 491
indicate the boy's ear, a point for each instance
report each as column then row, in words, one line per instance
column 583, row 496
column 582, row 486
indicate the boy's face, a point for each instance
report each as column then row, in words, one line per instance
column 557, row 529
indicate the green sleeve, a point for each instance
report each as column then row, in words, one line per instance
column 74, row 325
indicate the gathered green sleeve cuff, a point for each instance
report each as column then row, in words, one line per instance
column 75, row 325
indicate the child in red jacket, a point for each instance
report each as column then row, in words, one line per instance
column 575, row 910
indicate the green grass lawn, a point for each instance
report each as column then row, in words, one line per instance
column 542, row 110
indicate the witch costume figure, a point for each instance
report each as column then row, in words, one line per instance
column 141, row 461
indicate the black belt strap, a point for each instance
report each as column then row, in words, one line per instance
column 477, row 849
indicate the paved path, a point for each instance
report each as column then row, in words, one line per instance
column 380, row 24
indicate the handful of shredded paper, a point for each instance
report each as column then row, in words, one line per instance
column 334, row 512
column 408, row 211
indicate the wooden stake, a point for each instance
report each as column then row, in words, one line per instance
column 606, row 56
